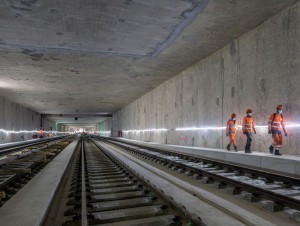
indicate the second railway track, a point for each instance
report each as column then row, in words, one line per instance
column 274, row 191
column 105, row 191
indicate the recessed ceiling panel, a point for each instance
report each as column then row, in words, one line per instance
column 128, row 27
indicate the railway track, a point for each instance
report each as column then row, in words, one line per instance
column 24, row 161
column 274, row 191
column 13, row 147
column 104, row 191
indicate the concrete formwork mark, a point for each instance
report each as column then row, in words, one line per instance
column 186, row 17
column 189, row 15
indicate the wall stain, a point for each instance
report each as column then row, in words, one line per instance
column 232, row 48
column 36, row 56
column 2, row 42
column 54, row 58
column 263, row 85
column 28, row 3
column 181, row 99
column 20, row 8
column 232, row 91
column 286, row 22
column 205, row 144
column 32, row 55
column 218, row 143
column 53, row 11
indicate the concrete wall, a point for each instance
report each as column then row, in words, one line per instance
column 49, row 125
column 14, row 117
column 259, row 70
column 105, row 128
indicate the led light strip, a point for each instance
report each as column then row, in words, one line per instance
column 27, row 131
column 296, row 125
column 200, row 128
column 145, row 130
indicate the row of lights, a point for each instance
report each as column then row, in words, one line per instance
column 27, row 131
column 200, row 128
column 149, row 130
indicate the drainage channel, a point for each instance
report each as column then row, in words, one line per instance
column 105, row 192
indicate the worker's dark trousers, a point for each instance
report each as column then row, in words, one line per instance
column 249, row 140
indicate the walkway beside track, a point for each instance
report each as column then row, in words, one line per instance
column 284, row 164
column 35, row 197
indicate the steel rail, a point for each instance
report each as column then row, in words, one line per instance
column 268, row 175
column 6, row 149
column 188, row 217
column 84, row 221
column 269, row 194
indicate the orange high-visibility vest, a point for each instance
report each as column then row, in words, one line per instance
column 275, row 121
column 41, row 132
column 231, row 126
column 248, row 124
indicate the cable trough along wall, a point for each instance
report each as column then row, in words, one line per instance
column 274, row 191
column 104, row 190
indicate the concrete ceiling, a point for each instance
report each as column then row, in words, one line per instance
column 61, row 57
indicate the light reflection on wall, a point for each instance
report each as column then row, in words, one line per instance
column 295, row 125
column 27, row 131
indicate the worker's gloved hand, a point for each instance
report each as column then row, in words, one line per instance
column 269, row 132
column 244, row 133
column 285, row 134
column 254, row 132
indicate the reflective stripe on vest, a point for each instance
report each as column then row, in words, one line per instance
column 248, row 127
column 275, row 124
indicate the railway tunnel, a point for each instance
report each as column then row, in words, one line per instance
column 134, row 112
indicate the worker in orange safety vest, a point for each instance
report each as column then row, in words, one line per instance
column 248, row 128
column 231, row 129
column 41, row 133
column 275, row 121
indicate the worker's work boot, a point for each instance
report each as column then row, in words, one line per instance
column 235, row 148
column 277, row 152
column 228, row 147
column 271, row 149
column 246, row 148
column 249, row 149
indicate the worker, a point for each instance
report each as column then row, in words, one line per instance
column 41, row 133
column 248, row 128
column 274, row 123
column 231, row 129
